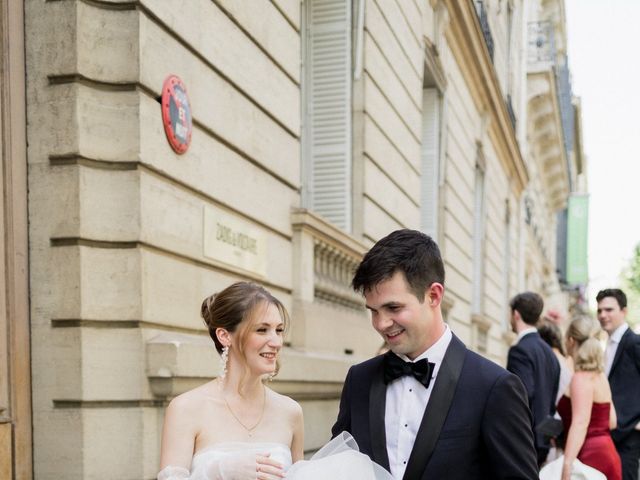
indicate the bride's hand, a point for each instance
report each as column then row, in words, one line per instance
column 268, row 469
column 246, row 466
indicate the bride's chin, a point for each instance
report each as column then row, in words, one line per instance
column 261, row 371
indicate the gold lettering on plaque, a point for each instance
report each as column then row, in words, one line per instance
column 233, row 240
column 237, row 239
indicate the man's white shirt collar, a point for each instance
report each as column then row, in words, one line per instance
column 524, row 332
column 617, row 334
column 612, row 347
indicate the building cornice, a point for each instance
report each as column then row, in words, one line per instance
column 470, row 51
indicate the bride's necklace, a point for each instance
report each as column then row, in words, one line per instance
column 253, row 427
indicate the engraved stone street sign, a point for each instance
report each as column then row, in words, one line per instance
column 234, row 241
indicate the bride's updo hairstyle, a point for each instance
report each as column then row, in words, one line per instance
column 230, row 308
column 588, row 355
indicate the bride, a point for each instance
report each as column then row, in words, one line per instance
column 234, row 427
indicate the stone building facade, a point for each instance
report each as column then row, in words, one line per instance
column 319, row 126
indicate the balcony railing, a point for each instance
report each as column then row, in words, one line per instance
column 484, row 24
column 328, row 259
column 334, row 270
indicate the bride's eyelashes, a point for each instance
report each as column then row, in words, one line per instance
column 279, row 330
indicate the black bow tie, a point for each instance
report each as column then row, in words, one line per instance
column 395, row 367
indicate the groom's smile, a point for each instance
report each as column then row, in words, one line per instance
column 390, row 336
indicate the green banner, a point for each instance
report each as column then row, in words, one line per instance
column 577, row 232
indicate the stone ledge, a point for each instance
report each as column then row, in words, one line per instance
column 177, row 362
column 481, row 321
column 305, row 220
column 171, row 355
column 508, row 338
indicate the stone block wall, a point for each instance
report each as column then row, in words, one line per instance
column 125, row 235
column 120, row 252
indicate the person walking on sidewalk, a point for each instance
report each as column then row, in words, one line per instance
column 622, row 367
column 534, row 362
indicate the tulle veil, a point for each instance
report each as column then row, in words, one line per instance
column 340, row 459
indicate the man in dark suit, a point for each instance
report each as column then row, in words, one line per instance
column 533, row 361
column 429, row 408
column 622, row 365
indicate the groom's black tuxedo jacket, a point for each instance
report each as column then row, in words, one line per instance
column 624, row 378
column 477, row 424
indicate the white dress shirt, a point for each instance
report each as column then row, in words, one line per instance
column 524, row 332
column 406, row 400
column 612, row 347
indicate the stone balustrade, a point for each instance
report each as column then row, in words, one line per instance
column 328, row 258
column 333, row 271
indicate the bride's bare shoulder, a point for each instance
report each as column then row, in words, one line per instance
column 286, row 404
column 193, row 399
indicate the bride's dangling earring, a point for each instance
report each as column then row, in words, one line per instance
column 272, row 375
column 224, row 359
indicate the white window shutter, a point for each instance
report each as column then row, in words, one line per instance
column 430, row 161
column 478, row 241
column 506, row 283
column 328, row 114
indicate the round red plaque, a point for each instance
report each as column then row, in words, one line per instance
column 176, row 114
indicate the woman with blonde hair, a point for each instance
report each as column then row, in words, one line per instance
column 586, row 408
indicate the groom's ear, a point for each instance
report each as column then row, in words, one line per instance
column 434, row 294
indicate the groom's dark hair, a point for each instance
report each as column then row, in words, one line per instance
column 413, row 253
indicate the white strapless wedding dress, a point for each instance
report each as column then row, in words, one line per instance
column 337, row 460
column 279, row 452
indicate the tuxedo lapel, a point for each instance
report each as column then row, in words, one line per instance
column 377, row 405
column 621, row 347
column 437, row 409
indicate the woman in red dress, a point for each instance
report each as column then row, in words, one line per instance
column 586, row 408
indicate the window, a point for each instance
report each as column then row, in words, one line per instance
column 524, row 221
column 326, row 101
column 433, row 136
column 430, row 153
column 509, row 40
column 478, row 236
column 506, row 281
column 482, row 340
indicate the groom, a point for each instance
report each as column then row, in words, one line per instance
column 429, row 408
